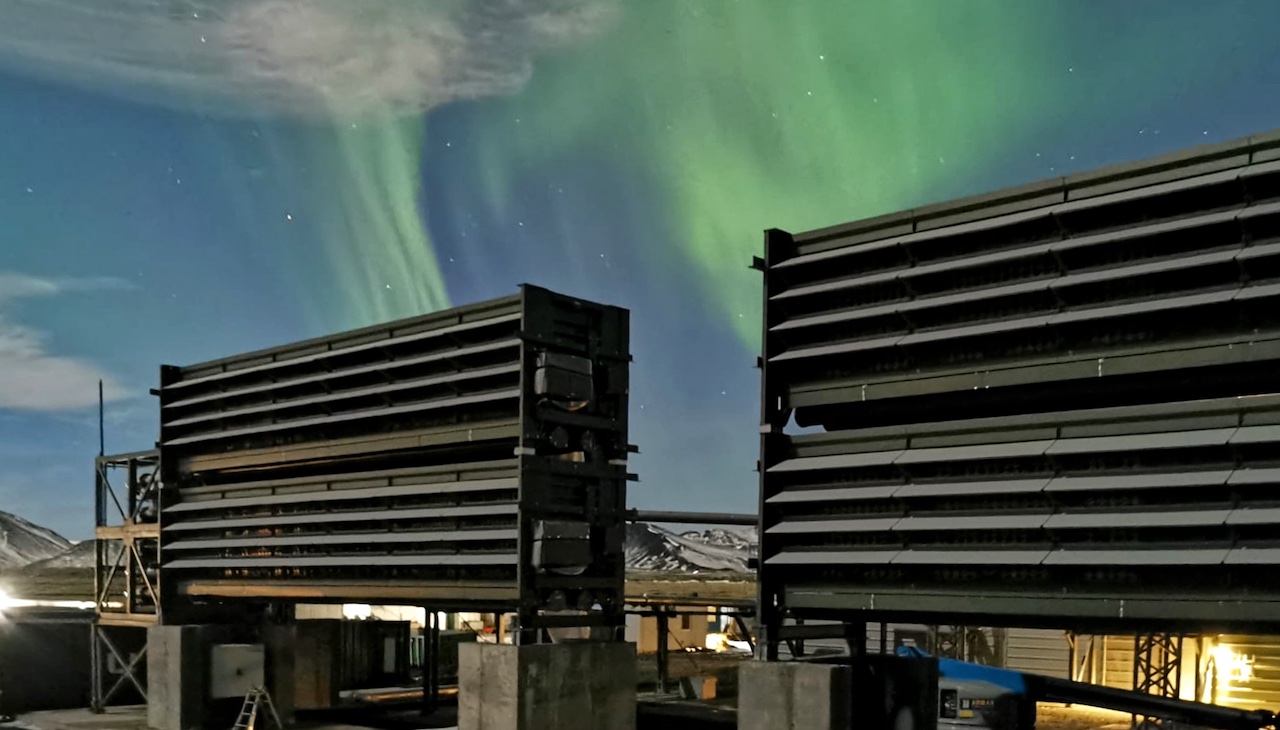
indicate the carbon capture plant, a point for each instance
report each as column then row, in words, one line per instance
column 468, row 460
column 1056, row 406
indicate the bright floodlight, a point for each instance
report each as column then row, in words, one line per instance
column 1232, row 666
column 357, row 611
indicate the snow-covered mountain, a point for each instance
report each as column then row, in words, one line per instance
column 652, row 548
column 23, row 543
column 79, row 556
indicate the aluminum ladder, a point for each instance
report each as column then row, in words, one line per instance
column 254, row 702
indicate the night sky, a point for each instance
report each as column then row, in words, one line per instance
column 187, row 179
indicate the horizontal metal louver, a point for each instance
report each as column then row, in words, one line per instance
column 1167, row 276
column 1051, row 405
column 418, row 460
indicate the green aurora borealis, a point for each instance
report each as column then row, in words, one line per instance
column 251, row 172
column 760, row 116
column 754, row 114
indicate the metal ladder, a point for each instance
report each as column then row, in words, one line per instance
column 254, row 701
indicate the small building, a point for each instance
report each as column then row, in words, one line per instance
column 685, row 631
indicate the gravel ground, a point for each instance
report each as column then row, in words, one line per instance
column 1057, row 717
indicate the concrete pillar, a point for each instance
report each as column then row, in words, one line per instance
column 302, row 664
column 571, row 686
column 178, row 676
column 794, row 696
column 281, row 643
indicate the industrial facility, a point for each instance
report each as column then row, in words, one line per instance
column 1049, row 406
column 1045, row 414
column 468, row 461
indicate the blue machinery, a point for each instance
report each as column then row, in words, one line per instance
column 977, row 696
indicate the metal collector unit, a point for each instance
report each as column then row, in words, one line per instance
column 1048, row 406
column 471, row 459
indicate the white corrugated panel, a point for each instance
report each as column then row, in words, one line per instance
column 1038, row 651
column 1117, row 664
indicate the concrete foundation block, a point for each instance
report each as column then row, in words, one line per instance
column 570, row 686
column 178, row 675
column 794, row 696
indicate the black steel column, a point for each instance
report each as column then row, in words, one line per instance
column 663, row 628
column 1157, row 670
column 431, row 664
column 773, row 420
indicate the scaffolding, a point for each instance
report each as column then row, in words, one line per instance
column 126, row 562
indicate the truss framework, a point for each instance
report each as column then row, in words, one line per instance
column 126, row 562
column 1157, row 670
column 132, row 668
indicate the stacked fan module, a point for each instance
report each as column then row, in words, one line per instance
column 472, row 459
column 1057, row 404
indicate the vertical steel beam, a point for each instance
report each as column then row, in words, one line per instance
column 431, row 665
column 1157, row 670
column 96, row 703
column 664, row 626
column 774, row 415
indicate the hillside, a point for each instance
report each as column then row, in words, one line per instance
column 32, row 550
column 79, row 556
column 23, row 543
column 654, row 549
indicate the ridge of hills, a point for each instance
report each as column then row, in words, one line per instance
column 29, row 548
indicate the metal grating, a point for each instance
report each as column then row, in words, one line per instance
column 469, row 459
column 1044, row 406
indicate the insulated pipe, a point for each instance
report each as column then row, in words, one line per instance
column 1050, row 689
column 691, row 518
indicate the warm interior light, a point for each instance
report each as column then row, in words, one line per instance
column 1232, row 665
column 717, row 642
column 361, row 611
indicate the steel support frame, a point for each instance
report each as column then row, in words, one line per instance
column 603, row 448
column 431, row 664
column 134, row 528
column 101, row 650
column 663, row 614
column 773, row 420
column 1157, row 669
column 771, row 611
column 1084, row 653
column 124, row 517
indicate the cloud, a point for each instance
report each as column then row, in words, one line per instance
column 303, row 57
column 32, row 378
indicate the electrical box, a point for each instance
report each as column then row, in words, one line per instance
column 235, row 669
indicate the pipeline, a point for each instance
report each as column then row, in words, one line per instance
column 691, row 518
column 1049, row 689
column 1038, row 688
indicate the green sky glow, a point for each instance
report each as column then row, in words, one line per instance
column 756, row 115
